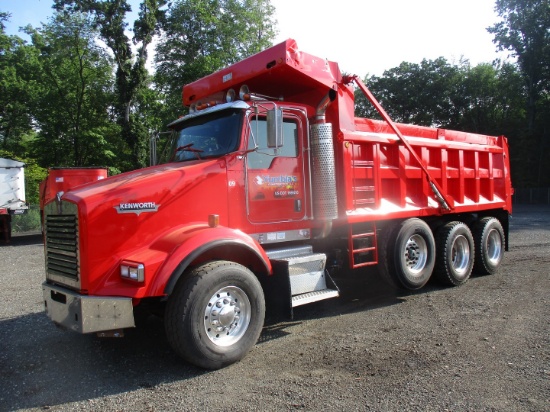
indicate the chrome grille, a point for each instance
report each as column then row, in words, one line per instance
column 62, row 259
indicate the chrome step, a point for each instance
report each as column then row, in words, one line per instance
column 308, row 280
column 311, row 297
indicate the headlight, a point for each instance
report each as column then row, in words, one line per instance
column 132, row 271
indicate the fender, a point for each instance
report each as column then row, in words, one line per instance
column 185, row 245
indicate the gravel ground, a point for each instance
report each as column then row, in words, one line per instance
column 484, row 346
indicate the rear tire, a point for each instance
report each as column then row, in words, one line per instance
column 215, row 315
column 489, row 243
column 455, row 254
column 409, row 254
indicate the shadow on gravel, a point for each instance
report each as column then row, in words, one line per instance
column 23, row 239
column 530, row 216
column 43, row 366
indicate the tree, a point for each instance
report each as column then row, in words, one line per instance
column 16, row 93
column 524, row 31
column 131, row 74
column 488, row 99
column 202, row 36
column 4, row 17
column 415, row 93
column 74, row 90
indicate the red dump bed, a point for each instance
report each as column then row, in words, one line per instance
column 382, row 178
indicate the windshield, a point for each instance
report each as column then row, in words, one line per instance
column 212, row 135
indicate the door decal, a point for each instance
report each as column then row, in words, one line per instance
column 274, row 186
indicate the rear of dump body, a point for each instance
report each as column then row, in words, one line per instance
column 12, row 194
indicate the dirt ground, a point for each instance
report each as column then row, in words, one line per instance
column 483, row 346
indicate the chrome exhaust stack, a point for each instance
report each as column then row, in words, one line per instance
column 325, row 202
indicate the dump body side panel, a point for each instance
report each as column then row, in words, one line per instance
column 382, row 180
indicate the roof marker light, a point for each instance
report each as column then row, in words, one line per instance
column 230, row 96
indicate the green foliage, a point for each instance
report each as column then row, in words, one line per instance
column 131, row 75
column 524, row 31
column 416, row 93
column 202, row 36
column 17, row 90
column 28, row 222
column 72, row 103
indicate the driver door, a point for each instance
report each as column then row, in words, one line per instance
column 275, row 176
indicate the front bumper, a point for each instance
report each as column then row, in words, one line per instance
column 86, row 314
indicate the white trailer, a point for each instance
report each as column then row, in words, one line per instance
column 12, row 194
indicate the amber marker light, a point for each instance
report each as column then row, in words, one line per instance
column 213, row 220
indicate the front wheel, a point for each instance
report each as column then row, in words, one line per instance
column 215, row 315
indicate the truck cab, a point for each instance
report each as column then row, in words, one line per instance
column 268, row 174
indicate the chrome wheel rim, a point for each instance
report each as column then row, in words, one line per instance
column 227, row 316
column 416, row 254
column 494, row 247
column 460, row 255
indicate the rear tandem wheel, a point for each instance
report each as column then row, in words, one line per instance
column 408, row 254
column 489, row 243
column 455, row 253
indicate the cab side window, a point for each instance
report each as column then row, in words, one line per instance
column 263, row 156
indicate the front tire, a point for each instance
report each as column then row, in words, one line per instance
column 410, row 254
column 215, row 315
column 455, row 254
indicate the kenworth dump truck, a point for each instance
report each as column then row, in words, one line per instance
column 272, row 185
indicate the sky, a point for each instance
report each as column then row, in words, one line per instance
column 365, row 37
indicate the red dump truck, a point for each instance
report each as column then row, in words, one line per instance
column 272, row 185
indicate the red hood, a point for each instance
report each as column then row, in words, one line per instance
column 127, row 212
